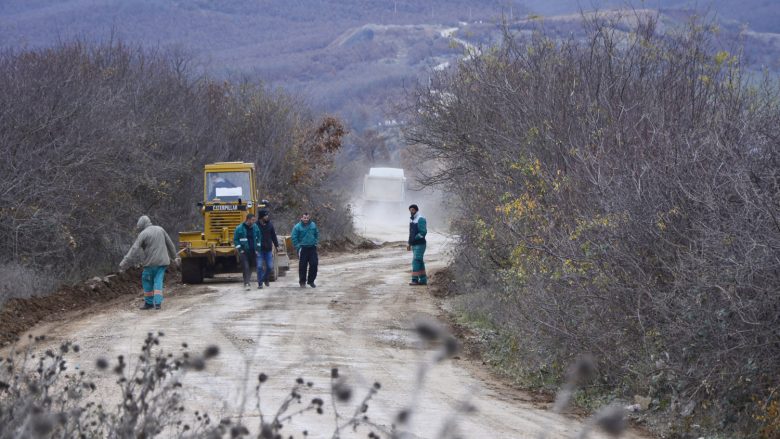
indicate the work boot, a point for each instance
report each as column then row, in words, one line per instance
column 259, row 286
column 303, row 284
column 311, row 284
column 246, row 287
column 147, row 306
column 268, row 284
column 157, row 306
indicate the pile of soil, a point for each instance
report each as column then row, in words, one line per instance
column 442, row 282
column 348, row 244
column 19, row 315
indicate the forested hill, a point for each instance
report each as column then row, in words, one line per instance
column 285, row 43
column 233, row 29
column 346, row 56
column 242, row 32
column 758, row 15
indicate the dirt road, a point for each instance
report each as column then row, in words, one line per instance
column 358, row 319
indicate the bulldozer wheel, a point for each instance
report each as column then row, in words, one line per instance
column 192, row 271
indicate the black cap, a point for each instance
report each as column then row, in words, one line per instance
column 263, row 213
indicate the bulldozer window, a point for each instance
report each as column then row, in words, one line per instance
column 228, row 186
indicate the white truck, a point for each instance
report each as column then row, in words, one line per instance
column 384, row 185
column 384, row 191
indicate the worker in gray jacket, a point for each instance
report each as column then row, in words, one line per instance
column 154, row 250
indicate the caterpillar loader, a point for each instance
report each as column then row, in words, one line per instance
column 230, row 192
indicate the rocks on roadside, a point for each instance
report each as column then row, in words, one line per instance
column 643, row 401
column 97, row 282
column 94, row 283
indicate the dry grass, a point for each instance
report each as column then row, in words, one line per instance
column 20, row 282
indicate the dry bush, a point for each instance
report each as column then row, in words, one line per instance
column 93, row 136
column 625, row 197
column 41, row 397
column 17, row 280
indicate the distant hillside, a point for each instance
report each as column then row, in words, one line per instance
column 285, row 42
column 760, row 51
column 230, row 30
column 758, row 15
column 351, row 57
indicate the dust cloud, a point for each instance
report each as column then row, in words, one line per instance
column 381, row 222
column 384, row 221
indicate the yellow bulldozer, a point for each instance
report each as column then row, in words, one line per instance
column 230, row 192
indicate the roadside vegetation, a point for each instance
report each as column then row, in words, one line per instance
column 621, row 198
column 92, row 136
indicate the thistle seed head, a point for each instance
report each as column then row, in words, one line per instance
column 101, row 363
column 612, row 420
column 582, row 370
column 211, row 352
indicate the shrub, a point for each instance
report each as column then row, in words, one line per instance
column 19, row 281
column 624, row 191
column 95, row 135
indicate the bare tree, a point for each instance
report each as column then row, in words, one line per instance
column 93, row 136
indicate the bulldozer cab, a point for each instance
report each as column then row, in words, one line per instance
column 228, row 186
column 229, row 195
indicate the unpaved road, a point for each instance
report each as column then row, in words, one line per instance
column 358, row 319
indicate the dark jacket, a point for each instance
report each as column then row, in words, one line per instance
column 418, row 228
column 268, row 238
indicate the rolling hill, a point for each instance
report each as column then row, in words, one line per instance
column 350, row 57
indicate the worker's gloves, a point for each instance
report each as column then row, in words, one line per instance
column 122, row 266
column 177, row 261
